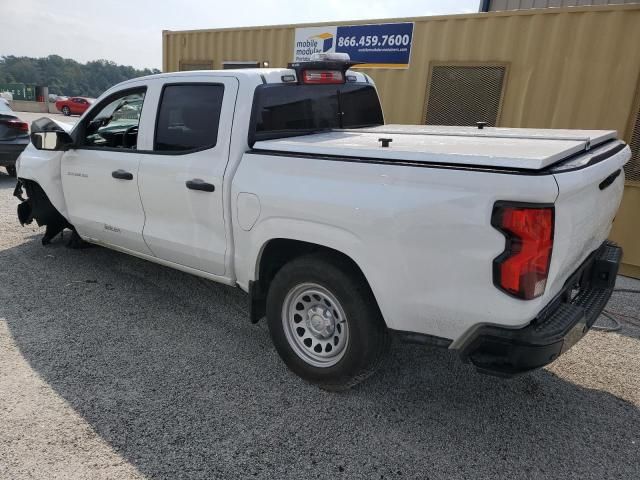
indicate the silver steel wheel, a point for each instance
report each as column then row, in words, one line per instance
column 315, row 325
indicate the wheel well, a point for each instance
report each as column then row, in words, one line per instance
column 38, row 207
column 277, row 253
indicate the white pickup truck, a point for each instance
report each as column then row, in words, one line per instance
column 344, row 231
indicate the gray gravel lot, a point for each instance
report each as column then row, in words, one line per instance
column 113, row 367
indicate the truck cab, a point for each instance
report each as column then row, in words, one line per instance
column 152, row 153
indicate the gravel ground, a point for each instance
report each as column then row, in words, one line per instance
column 112, row 367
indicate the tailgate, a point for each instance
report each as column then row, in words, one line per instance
column 587, row 203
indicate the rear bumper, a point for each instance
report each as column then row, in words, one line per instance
column 508, row 352
column 9, row 152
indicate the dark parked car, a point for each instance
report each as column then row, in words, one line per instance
column 14, row 137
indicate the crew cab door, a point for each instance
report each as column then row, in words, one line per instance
column 100, row 175
column 181, row 179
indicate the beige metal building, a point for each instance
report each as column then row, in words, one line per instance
column 500, row 5
column 575, row 67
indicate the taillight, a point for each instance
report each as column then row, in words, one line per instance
column 322, row 76
column 16, row 125
column 522, row 269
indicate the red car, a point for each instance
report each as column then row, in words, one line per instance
column 74, row 105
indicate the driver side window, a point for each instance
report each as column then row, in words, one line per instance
column 115, row 125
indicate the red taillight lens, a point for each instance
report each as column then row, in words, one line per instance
column 16, row 125
column 322, row 76
column 522, row 269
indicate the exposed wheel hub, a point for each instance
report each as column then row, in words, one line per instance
column 321, row 322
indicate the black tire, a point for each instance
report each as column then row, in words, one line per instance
column 11, row 170
column 368, row 338
column 65, row 111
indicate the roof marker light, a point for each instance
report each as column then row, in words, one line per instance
column 331, row 56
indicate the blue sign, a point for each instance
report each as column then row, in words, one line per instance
column 386, row 45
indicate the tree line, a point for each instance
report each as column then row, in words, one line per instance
column 65, row 76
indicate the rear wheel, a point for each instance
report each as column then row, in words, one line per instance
column 325, row 323
column 11, row 170
column 66, row 111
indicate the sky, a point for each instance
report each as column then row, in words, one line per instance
column 129, row 32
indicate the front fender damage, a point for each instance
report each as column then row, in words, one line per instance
column 37, row 206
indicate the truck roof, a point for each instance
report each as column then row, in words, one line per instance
column 270, row 75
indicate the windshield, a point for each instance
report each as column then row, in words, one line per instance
column 288, row 110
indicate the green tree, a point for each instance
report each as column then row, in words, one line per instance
column 64, row 76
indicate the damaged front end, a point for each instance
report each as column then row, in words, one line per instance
column 39, row 179
column 37, row 206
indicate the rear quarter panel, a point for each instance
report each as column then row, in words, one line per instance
column 584, row 214
column 422, row 236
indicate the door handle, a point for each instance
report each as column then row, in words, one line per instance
column 199, row 184
column 122, row 175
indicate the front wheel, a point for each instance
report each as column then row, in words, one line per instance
column 66, row 111
column 325, row 323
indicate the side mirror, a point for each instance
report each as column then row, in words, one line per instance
column 48, row 135
column 52, row 141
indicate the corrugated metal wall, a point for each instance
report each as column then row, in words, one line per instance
column 272, row 44
column 499, row 5
column 567, row 68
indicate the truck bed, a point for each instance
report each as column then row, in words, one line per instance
column 512, row 148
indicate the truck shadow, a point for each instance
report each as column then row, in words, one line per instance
column 167, row 369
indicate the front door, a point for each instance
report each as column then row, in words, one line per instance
column 181, row 180
column 100, row 176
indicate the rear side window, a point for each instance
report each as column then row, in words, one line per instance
column 188, row 117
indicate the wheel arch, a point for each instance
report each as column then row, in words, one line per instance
column 275, row 252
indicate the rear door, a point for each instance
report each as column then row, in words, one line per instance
column 181, row 178
column 100, row 175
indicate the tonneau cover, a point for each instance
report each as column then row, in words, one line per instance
column 517, row 148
